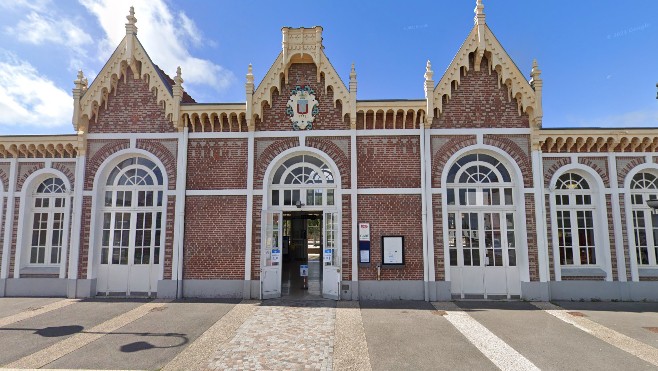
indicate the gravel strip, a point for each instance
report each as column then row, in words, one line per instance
column 33, row 313
column 77, row 341
column 350, row 345
column 198, row 354
column 493, row 347
column 637, row 348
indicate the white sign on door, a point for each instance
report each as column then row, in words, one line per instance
column 276, row 256
column 328, row 256
column 364, row 231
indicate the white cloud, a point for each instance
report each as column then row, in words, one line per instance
column 42, row 28
column 164, row 36
column 27, row 98
column 38, row 5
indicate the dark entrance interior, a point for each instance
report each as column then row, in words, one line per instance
column 302, row 245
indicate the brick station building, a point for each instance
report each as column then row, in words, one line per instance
column 459, row 195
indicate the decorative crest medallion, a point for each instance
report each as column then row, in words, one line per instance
column 302, row 108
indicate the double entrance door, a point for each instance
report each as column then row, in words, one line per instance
column 482, row 252
column 276, row 250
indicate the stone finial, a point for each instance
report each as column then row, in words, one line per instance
column 479, row 13
column 131, row 28
column 535, row 72
column 250, row 74
column 352, row 73
column 429, row 74
column 179, row 76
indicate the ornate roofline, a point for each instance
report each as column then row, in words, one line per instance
column 40, row 146
column 595, row 140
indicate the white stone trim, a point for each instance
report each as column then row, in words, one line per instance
column 540, row 217
column 249, row 222
column 9, row 219
column 178, row 246
column 616, row 219
column 123, row 136
column 45, row 160
column 77, row 218
column 632, row 255
column 355, row 215
column 427, row 186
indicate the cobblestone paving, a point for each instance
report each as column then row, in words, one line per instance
column 282, row 335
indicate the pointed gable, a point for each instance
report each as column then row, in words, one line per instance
column 129, row 90
column 483, row 87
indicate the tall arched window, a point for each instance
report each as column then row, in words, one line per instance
column 644, row 187
column 303, row 178
column 132, row 214
column 48, row 211
column 480, row 213
column 575, row 220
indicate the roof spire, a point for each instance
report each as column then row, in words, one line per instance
column 479, row 13
column 131, row 28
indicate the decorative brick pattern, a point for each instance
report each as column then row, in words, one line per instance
column 217, row 164
column 68, row 169
column 480, row 101
column 388, row 162
column 551, row 166
column 347, row 238
column 393, row 215
column 256, row 216
column 169, row 237
column 441, row 155
column 611, row 237
column 625, row 165
column 165, row 150
column 338, row 149
column 531, row 228
column 85, row 231
column 25, row 169
column 14, row 235
column 598, row 164
column 389, row 119
column 131, row 108
column 266, row 150
column 4, row 176
column 625, row 233
column 214, row 237
column 303, row 74
column 439, row 244
column 95, row 158
column 549, row 237
column 520, row 155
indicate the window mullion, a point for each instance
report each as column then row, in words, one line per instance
column 575, row 237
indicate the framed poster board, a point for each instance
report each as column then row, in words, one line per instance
column 392, row 250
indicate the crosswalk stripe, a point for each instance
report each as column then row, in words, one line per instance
column 635, row 347
column 498, row 351
column 6, row 321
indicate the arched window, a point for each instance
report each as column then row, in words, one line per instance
column 480, row 212
column 303, row 178
column 132, row 214
column 575, row 220
column 644, row 187
column 48, row 211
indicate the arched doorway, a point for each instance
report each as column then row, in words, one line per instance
column 301, row 196
column 131, row 228
column 482, row 228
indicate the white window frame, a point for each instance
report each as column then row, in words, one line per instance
column 57, row 192
column 644, row 194
column 574, row 208
column 327, row 184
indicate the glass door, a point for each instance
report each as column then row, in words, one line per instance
column 331, row 257
column 271, row 255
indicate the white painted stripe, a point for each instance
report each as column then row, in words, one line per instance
column 6, row 321
column 493, row 347
column 77, row 341
column 466, row 131
column 637, row 348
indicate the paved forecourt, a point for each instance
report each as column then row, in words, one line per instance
column 326, row 335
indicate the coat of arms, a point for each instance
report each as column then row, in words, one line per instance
column 302, row 108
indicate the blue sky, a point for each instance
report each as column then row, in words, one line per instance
column 599, row 59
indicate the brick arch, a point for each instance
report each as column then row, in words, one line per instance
column 66, row 171
column 4, row 178
column 517, row 154
column 23, row 177
column 341, row 159
column 548, row 173
column 101, row 155
column 443, row 154
column 163, row 153
column 264, row 160
column 623, row 172
column 602, row 172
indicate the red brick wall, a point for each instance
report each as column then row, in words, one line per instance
column 169, row 237
column 625, row 235
column 14, row 234
column 549, row 237
column 68, row 169
column 388, row 162
column 329, row 117
column 217, row 164
column 338, row 149
column 165, row 150
column 25, row 169
column 95, row 158
column 551, row 166
column 393, row 215
column 629, row 163
column 611, row 237
column 85, row 230
column 478, row 102
column 518, row 147
column 347, row 238
column 531, row 227
column 214, row 237
column 439, row 256
column 132, row 108
column 266, row 150
column 389, row 119
column 255, row 237
column 441, row 154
